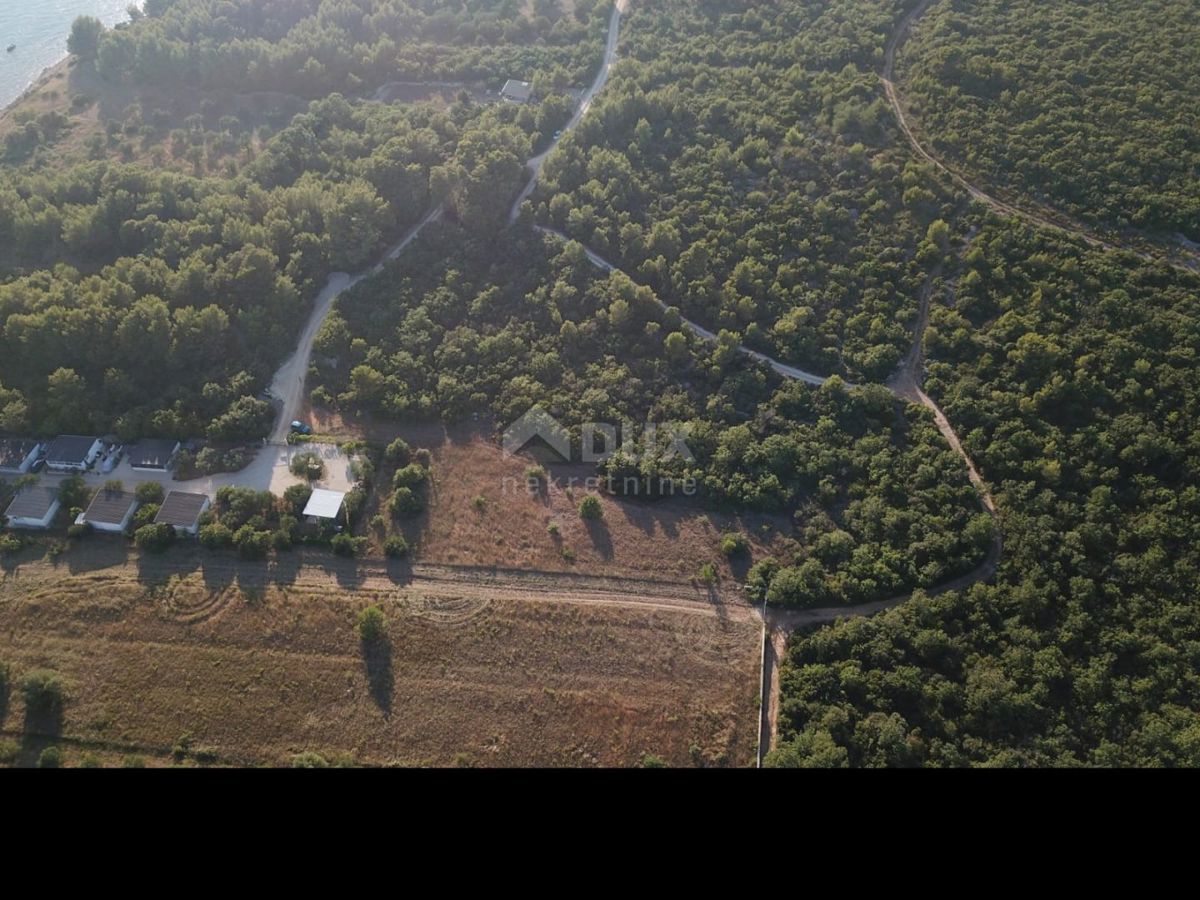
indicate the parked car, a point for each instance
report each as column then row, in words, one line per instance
column 299, row 427
column 111, row 458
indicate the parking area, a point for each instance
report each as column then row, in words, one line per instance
column 269, row 471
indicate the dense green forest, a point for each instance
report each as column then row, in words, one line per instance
column 1088, row 106
column 881, row 504
column 742, row 168
column 740, row 163
column 1070, row 374
column 172, row 298
column 159, row 302
column 316, row 47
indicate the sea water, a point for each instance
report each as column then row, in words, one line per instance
column 39, row 28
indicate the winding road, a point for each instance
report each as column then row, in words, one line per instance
column 288, row 384
column 1045, row 217
column 287, row 387
column 585, row 105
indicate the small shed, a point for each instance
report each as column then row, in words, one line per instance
column 153, row 455
column 324, row 506
column 182, row 511
column 73, row 453
column 110, row 510
column 33, row 507
column 517, row 91
column 18, row 455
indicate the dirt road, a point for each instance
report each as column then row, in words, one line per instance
column 585, row 104
column 904, row 384
column 1042, row 217
column 287, row 387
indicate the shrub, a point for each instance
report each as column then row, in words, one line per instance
column 91, row 761
column 398, row 452
column 307, row 465
column 798, row 586
column 154, row 538
column 354, row 501
column 216, row 536
column 281, row 540
column 404, row 502
column 372, row 624
column 9, row 543
column 395, row 546
column 735, row 544
column 707, row 573
column 50, row 758
column 81, row 530
column 758, row 579
column 44, row 692
column 650, row 761
column 423, row 458
column 252, row 543
column 309, row 760
column 411, row 476
column 590, row 508
column 150, row 492
column 145, row 515
column 72, row 491
column 554, row 529
column 9, row 752
column 133, row 761
column 344, row 544
column 480, row 502
column 296, row 497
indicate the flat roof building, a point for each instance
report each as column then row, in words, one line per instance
column 33, row 507
column 324, row 505
column 152, row 455
column 18, row 455
column 182, row 511
column 110, row 510
column 73, row 453
column 517, row 91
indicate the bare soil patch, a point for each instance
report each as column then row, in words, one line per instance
column 192, row 659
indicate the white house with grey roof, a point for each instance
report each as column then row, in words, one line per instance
column 73, row 453
column 517, row 91
column 33, row 507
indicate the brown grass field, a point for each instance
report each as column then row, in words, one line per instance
column 232, row 663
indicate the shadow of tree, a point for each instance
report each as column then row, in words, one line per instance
column 601, row 538
column 377, row 657
column 43, row 716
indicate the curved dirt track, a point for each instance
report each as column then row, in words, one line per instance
column 905, row 384
column 1044, row 217
column 287, row 387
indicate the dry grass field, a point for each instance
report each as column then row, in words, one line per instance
column 192, row 659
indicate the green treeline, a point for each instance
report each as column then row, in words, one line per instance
column 172, row 298
column 461, row 325
column 316, row 47
column 741, row 164
column 1090, row 107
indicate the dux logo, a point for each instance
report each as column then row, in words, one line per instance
column 598, row 440
column 537, row 423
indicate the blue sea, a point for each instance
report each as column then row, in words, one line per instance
column 39, row 28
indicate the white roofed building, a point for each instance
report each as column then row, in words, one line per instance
column 324, row 506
